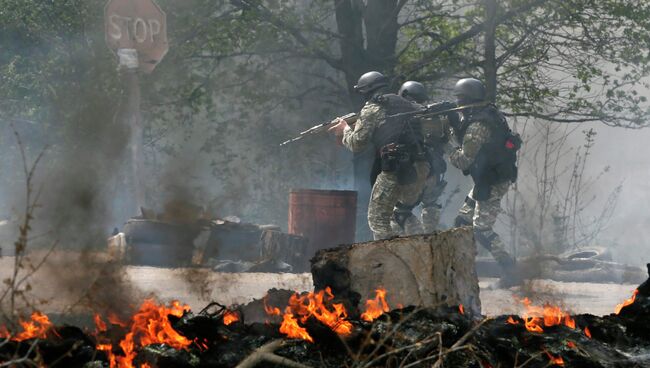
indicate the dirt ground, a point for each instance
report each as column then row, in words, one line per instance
column 197, row 287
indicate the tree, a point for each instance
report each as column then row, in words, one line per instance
column 242, row 75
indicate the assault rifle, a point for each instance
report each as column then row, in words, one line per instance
column 350, row 118
column 438, row 108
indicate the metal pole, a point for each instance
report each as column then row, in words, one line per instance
column 132, row 118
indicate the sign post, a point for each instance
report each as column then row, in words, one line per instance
column 136, row 30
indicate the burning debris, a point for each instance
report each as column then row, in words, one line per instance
column 313, row 330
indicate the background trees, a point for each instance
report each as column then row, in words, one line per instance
column 243, row 75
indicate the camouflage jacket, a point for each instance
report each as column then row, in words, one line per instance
column 357, row 139
column 476, row 135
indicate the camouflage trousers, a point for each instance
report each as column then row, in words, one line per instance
column 482, row 215
column 386, row 193
column 405, row 223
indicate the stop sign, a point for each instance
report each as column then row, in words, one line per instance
column 140, row 25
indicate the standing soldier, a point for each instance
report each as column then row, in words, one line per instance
column 401, row 166
column 488, row 153
column 435, row 131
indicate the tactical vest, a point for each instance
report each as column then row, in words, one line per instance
column 403, row 131
column 399, row 130
column 496, row 161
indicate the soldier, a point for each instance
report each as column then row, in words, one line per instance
column 401, row 167
column 487, row 153
column 435, row 136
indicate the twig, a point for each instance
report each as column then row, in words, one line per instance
column 458, row 345
column 382, row 341
column 265, row 354
column 24, row 359
column 397, row 351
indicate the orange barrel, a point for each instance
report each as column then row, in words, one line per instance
column 326, row 217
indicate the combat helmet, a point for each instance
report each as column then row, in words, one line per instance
column 469, row 90
column 414, row 91
column 370, row 82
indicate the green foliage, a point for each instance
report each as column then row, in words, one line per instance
column 256, row 72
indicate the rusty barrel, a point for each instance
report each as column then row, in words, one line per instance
column 326, row 217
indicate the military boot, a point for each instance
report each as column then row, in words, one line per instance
column 509, row 275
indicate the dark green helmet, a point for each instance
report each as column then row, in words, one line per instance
column 469, row 90
column 413, row 91
column 370, row 82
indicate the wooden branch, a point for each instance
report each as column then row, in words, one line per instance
column 474, row 31
column 24, row 360
column 293, row 31
column 265, row 354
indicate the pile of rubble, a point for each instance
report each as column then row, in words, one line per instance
column 362, row 314
column 314, row 331
column 226, row 245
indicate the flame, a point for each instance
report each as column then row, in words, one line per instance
column 587, row 332
column 548, row 315
column 554, row 360
column 570, row 344
column 314, row 304
column 292, row 329
column 461, row 309
column 230, row 317
column 375, row 307
column 271, row 311
column 149, row 325
column 99, row 323
column 512, row 321
column 117, row 321
column 627, row 302
column 317, row 305
column 36, row 327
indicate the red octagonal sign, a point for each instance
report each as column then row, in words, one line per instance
column 140, row 25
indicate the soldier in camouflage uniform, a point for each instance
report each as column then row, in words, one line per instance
column 435, row 131
column 401, row 168
column 487, row 153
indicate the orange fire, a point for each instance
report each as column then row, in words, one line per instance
column 149, row 325
column 587, row 332
column 99, row 323
column 36, row 327
column 619, row 307
column 376, row 307
column 461, row 309
column 271, row 311
column 548, row 315
column 554, row 360
column 115, row 320
column 292, row 329
column 230, row 317
column 512, row 321
column 314, row 304
column 317, row 305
